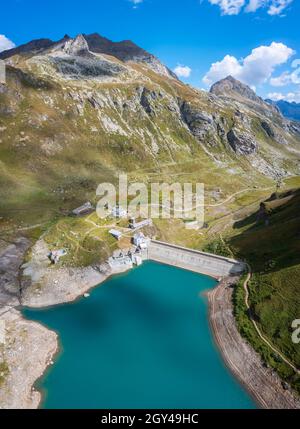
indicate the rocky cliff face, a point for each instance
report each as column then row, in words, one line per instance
column 241, row 142
column 252, row 117
column 208, row 128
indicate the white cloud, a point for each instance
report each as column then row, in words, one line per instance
column 287, row 77
column 234, row 7
column 229, row 7
column 5, row 43
column 254, row 69
column 136, row 3
column 228, row 66
column 182, row 71
column 275, row 96
column 290, row 96
column 277, row 6
column 282, row 80
column 253, row 5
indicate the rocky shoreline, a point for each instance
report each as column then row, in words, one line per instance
column 262, row 383
column 29, row 348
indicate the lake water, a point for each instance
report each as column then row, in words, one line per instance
column 141, row 340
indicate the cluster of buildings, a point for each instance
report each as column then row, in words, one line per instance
column 134, row 255
column 125, row 259
column 122, row 258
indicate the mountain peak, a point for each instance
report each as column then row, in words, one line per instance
column 77, row 46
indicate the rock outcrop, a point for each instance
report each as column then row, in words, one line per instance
column 294, row 127
column 268, row 129
column 11, row 257
column 242, row 143
column 147, row 99
column 76, row 46
column 202, row 125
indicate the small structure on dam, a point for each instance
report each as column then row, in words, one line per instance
column 194, row 260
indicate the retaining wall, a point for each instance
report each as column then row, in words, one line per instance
column 194, row 260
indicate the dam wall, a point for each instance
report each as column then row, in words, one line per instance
column 194, row 260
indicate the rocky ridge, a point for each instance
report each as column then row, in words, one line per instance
column 125, row 51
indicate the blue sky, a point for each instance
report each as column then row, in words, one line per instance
column 191, row 33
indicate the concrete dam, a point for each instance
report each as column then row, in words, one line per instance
column 194, row 260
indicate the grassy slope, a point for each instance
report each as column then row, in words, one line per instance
column 273, row 251
column 51, row 160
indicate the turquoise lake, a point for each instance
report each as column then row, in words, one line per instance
column 141, row 340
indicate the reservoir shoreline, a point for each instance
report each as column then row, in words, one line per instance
column 262, row 383
column 170, row 309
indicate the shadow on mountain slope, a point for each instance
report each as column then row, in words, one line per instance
column 270, row 242
column 270, row 238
